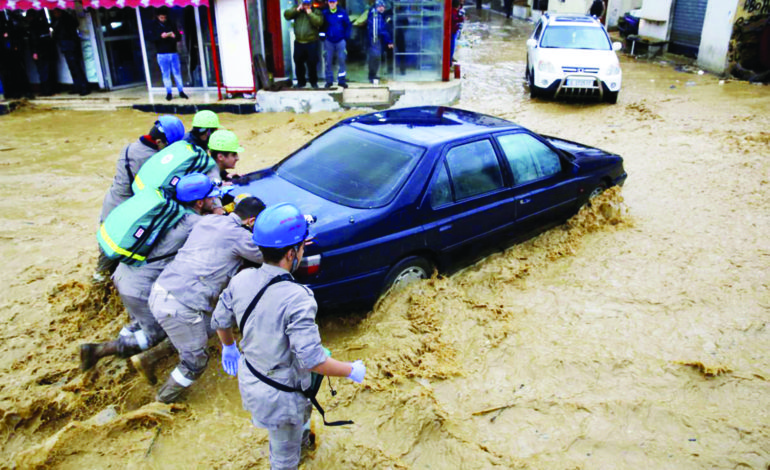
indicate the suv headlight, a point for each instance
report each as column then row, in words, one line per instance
column 546, row 67
column 613, row 69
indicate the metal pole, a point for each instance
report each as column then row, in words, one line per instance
column 251, row 51
column 214, row 52
column 201, row 55
column 446, row 59
column 144, row 51
column 261, row 27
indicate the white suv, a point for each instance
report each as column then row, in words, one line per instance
column 572, row 55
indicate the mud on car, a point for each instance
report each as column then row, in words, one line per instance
column 398, row 193
column 572, row 56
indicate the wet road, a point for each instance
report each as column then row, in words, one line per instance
column 635, row 336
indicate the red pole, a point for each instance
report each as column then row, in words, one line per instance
column 214, row 52
column 273, row 13
column 446, row 61
column 251, row 51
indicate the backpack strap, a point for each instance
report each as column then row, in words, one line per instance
column 128, row 170
column 311, row 392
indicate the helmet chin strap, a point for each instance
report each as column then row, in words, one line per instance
column 295, row 261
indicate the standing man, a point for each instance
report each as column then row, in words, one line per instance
column 597, row 9
column 307, row 25
column 458, row 17
column 184, row 295
column 280, row 343
column 65, row 34
column 204, row 123
column 43, row 50
column 338, row 29
column 166, row 131
column 377, row 34
column 165, row 36
column 196, row 192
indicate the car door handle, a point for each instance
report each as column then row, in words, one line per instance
column 445, row 228
column 526, row 200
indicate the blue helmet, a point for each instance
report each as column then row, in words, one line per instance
column 196, row 186
column 171, row 127
column 280, row 226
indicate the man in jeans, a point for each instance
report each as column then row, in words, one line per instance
column 165, row 37
column 337, row 33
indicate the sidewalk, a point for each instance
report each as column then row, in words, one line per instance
column 381, row 96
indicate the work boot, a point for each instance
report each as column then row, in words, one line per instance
column 343, row 84
column 183, row 95
column 168, row 97
column 170, row 392
column 145, row 362
column 90, row 353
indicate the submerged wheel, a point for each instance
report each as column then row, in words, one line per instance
column 611, row 96
column 407, row 271
column 600, row 188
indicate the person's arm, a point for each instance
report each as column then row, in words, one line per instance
column 361, row 20
column 333, row 368
column 226, row 336
column 222, row 320
column 290, row 13
column 347, row 25
column 246, row 249
column 316, row 18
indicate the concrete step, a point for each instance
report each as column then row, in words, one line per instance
column 369, row 96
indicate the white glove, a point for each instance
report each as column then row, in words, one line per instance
column 357, row 372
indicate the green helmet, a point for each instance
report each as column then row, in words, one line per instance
column 224, row 141
column 206, row 119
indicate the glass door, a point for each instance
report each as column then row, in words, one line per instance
column 122, row 51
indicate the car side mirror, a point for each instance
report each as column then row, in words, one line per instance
column 531, row 42
column 616, row 46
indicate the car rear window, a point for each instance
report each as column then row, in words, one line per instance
column 352, row 167
column 576, row 37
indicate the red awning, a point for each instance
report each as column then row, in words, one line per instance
column 70, row 4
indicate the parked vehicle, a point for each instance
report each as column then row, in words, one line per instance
column 398, row 193
column 629, row 23
column 573, row 56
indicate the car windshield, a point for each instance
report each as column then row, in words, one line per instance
column 352, row 167
column 576, row 37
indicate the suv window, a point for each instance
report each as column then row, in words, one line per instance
column 529, row 158
column 474, row 169
column 576, row 37
column 538, row 30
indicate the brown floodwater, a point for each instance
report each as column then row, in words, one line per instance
column 633, row 336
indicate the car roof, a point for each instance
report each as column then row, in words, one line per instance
column 428, row 125
column 572, row 20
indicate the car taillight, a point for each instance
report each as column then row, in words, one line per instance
column 309, row 266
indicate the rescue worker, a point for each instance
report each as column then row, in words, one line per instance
column 338, row 28
column 166, row 131
column 224, row 149
column 195, row 191
column 280, row 336
column 203, row 125
column 185, row 293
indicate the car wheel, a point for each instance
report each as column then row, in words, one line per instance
column 611, row 96
column 534, row 91
column 407, row 271
column 597, row 191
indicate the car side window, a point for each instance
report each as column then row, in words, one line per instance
column 529, row 158
column 441, row 193
column 474, row 169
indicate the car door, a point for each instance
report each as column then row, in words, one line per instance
column 544, row 189
column 468, row 198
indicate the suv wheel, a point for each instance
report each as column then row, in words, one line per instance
column 534, row 91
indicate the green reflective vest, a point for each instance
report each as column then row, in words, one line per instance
column 164, row 169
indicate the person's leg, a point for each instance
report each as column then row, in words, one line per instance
column 299, row 63
column 187, row 330
column 312, row 63
column 452, row 43
column 340, row 49
column 164, row 62
column 375, row 54
column 285, row 447
column 329, row 62
column 79, row 75
column 176, row 68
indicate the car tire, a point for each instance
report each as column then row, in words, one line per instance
column 611, row 96
column 534, row 91
column 600, row 188
column 406, row 271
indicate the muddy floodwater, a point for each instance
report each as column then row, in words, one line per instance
column 633, row 336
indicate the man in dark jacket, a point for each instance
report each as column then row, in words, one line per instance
column 165, row 36
column 597, row 8
column 65, row 34
column 43, row 50
column 338, row 28
column 13, row 32
column 377, row 34
column 307, row 25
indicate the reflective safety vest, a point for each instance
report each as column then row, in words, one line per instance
column 131, row 230
column 164, row 169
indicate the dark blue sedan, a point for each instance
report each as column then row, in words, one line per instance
column 398, row 193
